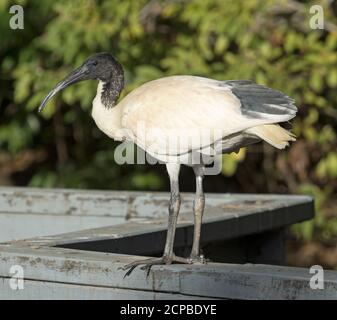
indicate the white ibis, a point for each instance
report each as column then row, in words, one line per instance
column 197, row 114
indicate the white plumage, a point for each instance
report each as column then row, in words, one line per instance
column 176, row 118
column 196, row 112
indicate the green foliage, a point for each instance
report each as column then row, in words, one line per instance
column 230, row 162
column 266, row 41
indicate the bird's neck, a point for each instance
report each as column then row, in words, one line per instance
column 110, row 89
column 108, row 119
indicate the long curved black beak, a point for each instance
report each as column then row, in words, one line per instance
column 77, row 75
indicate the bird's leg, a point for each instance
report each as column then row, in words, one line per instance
column 199, row 205
column 174, row 206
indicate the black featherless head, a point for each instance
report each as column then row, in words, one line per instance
column 100, row 66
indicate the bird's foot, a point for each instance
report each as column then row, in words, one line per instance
column 197, row 259
column 148, row 263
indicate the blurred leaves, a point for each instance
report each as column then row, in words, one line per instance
column 230, row 162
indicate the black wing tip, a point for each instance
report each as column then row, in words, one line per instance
column 256, row 98
column 241, row 82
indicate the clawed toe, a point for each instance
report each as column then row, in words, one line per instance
column 147, row 264
column 198, row 259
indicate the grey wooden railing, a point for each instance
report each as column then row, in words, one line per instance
column 103, row 231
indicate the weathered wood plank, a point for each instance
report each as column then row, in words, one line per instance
column 63, row 291
column 118, row 203
column 56, row 261
column 258, row 282
column 28, row 212
column 85, row 268
column 212, row 280
column 15, row 226
column 93, row 202
column 144, row 237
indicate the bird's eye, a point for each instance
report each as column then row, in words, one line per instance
column 95, row 63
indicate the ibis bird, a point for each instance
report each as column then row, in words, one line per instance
column 201, row 116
